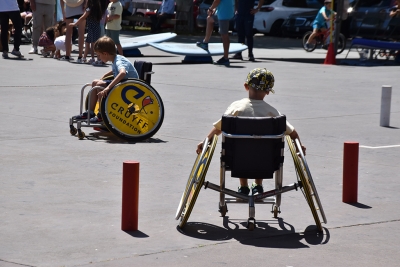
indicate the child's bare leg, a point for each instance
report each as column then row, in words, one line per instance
column 312, row 36
column 87, row 47
column 93, row 94
column 92, row 50
column 243, row 182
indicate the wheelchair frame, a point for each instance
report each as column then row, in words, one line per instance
column 132, row 108
column 198, row 173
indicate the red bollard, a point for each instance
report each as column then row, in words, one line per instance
column 350, row 172
column 130, row 196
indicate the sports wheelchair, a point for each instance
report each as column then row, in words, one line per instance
column 132, row 110
column 251, row 148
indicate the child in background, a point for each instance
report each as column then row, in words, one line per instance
column 49, row 36
column 122, row 69
column 113, row 25
column 92, row 16
column 59, row 42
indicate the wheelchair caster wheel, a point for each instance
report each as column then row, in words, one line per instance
column 251, row 226
column 275, row 211
column 81, row 135
column 223, row 210
column 73, row 130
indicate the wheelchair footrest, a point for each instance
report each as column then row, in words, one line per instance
column 267, row 200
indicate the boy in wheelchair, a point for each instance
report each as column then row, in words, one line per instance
column 259, row 83
column 122, row 69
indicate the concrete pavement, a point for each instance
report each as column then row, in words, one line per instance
column 60, row 198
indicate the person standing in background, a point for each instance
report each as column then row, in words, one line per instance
column 113, row 26
column 245, row 12
column 166, row 11
column 43, row 16
column 9, row 10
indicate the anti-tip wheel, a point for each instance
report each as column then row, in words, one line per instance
column 251, row 226
column 81, row 135
column 222, row 209
column 73, row 131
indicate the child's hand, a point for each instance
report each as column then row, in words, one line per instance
column 104, row 92
column 71, row 25
column 199, row 148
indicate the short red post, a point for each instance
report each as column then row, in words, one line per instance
column 350, row 172
column 130, row 196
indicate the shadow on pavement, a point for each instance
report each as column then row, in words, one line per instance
column 268, row 234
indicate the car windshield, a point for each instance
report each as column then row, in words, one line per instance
column 374, row 3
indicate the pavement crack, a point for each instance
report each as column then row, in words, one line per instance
column 20, row 264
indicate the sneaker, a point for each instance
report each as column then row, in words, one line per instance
column 96, row 119
column 66, row 58
column 244, row 190
column 98, row 63
column 238, row 56
column 251, row 58
column 16, row 53
column 5, row 54
column 84, row 116
column 257, row 189
column 45, row 54
column 81, row 60
column 90, row 61
column 202, row 45
column 222, row 61
column 33, row 50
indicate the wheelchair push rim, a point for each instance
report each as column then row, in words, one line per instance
column 196, row 181
column 133, row 110
column 306, row 187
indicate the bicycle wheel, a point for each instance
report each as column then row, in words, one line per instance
column 195, row 182
column 310, row 47
column 307, row 184
column 133, row 110
column 341, row 45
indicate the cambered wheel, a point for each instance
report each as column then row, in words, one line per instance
column 195, row 181
column 311, row 47
column 132, row 110
column 307, row 184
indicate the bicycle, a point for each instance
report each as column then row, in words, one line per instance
column 320, row 40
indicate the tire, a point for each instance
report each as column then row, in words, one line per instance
column 142, row 123
column 276, row 28
column 341, row 45
column 311, row 47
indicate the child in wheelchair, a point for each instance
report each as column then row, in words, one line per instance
column 122, row 69
column 258, row 84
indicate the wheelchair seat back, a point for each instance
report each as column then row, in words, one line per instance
column 144, row 70
column 252, row 147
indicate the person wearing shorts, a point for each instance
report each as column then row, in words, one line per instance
column 320, row 20
column 224, row 10
column 73, row 9
column 113, row 26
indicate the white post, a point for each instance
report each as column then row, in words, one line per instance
column 385, row 105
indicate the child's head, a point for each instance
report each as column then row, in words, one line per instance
column 61, row 27
column 51, row 33
column 105, row 45
column 328, row 3
column 260, row 79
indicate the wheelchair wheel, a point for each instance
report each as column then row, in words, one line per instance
column 132, row 110
column 308, row 188
column 311, row 47
column 195, row 181
column 341, row 45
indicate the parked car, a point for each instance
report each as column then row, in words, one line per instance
column 201, row 20
column 369, row 18
column 274, row 12
column 299, row 23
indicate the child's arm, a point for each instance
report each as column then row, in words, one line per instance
column 112, row 17
column 120, row 76
column 294, row 135
column 214, row 131
column 107, row 74
column 82, row 18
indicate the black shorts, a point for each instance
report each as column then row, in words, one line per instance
column 74, row 17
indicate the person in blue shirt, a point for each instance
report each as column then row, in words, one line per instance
column 166, row 11
column 122, row 69
column 224, row 10
column 319, row 23
column 245, row 12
